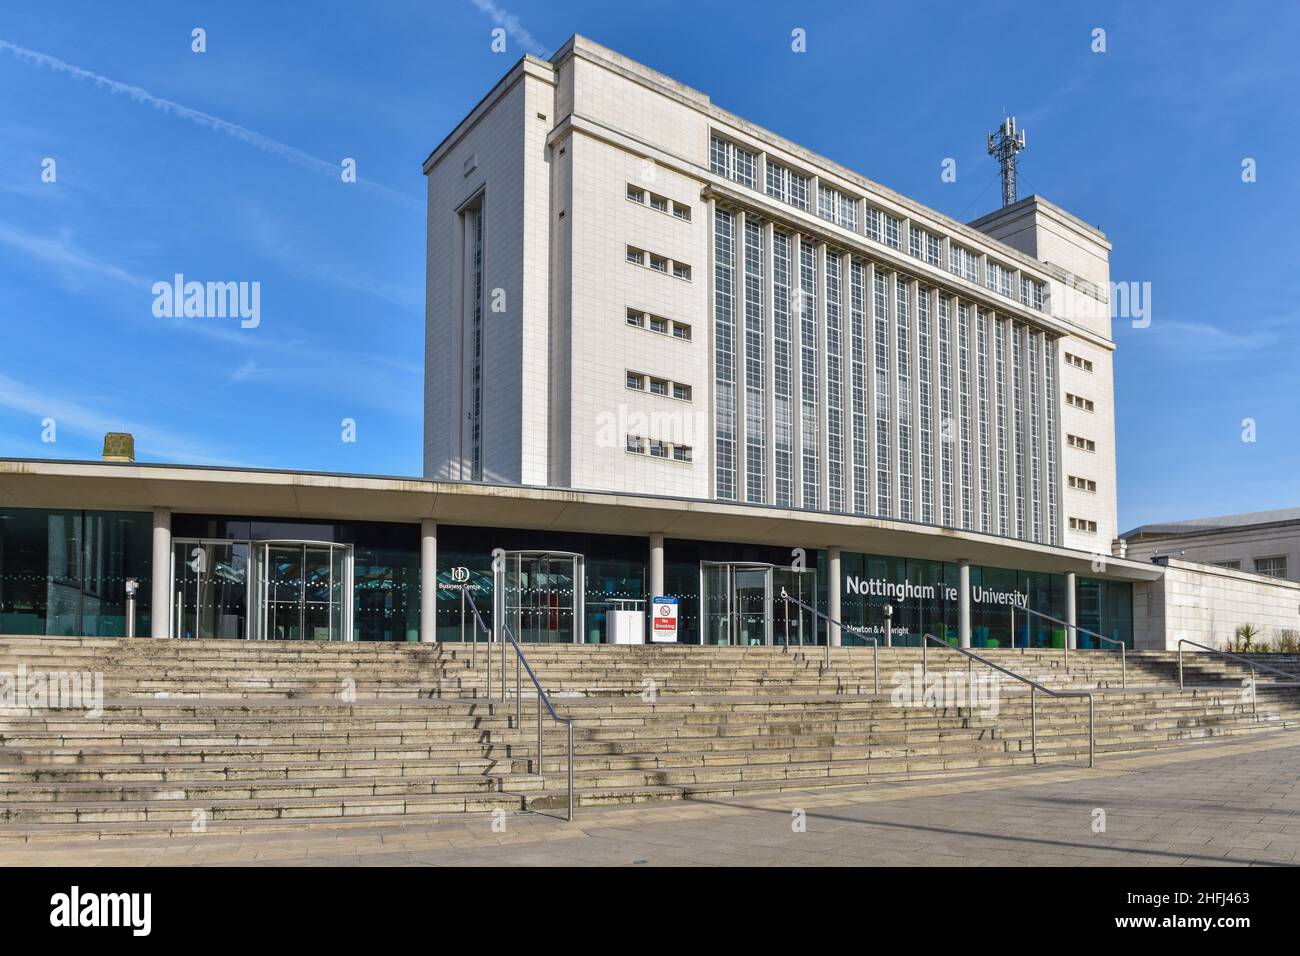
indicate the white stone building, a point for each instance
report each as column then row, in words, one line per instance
column 632, row 290
column 1262, row 542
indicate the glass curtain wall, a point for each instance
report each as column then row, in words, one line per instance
column 63, row 573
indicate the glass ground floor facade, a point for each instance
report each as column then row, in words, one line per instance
column 65, row 573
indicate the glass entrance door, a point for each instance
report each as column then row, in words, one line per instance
column 541, row 595
column 210, row 589
column 305, row 587
column 791, row 624
column 741, row 604
column 752, row 604
column 736, row 601
column 266, row 590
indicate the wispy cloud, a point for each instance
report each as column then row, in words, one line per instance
column 1213, row 341
column 514, row 29
column 61, row 253
column 243, row 134
column 80, row 419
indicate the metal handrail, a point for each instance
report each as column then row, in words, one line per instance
column 1252, row 664
column 1123, row 663
column 1034, row 687
column 875, row 641
column 542, row 696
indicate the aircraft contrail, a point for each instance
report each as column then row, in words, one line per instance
column 242, row 133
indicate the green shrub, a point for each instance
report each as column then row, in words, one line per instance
column 1243, row 642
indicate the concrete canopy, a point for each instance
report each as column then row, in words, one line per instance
column 312, row 495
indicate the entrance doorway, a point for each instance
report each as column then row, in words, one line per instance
column 261, row 590
column 540, row 595
column 741, row 604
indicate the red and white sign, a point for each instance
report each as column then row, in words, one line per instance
column 664, row 613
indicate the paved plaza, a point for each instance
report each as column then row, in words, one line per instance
column 1235, row 803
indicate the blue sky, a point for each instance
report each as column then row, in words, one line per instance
column 224, row 166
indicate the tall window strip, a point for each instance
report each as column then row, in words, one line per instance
column 903, row 337
column 1000, row 406
column 808, row 374
column 963, row 405
column 787, row 185
column 858, row 385
column 982, row 386
column 837, row 207
column 1035, row 437
column 1049, row 404
column 963, row 262
column 755, row 373
column 782, row 388
column 945, row 412
column 734, row 162
column 1018, row 427
column 476, row 415
column 880, row 299
column 883, row 228
column 724, row 353
column 925, row 416
column 834, row 387
column 924, row 245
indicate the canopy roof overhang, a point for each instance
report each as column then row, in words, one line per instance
column 111, row 486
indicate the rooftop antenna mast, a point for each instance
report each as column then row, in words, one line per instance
column 1005, row 144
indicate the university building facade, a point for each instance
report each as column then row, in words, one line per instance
column 668, row 354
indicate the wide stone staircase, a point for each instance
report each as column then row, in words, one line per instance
column 209, row 735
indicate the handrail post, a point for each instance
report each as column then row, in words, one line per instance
column 570, row 729
column 539, row 732
column 1254, row 694
column 970, row 686
column 875, row 663
column 1123, row 668
column 1092, row 732
column 1033, row 720
column 488, row 635
column 925, row 643
column 1180, row 665
column 519, row 706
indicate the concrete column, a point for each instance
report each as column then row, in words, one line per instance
column 160, row 606
column 656, row 566
column 428, row 580
column 1071, row 610
column 963, row 602
column 833, row 595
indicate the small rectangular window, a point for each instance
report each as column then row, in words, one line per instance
column 634, row 445
column 658, row 449
column 658, row 263
column 635, row 194
column 681, row 331
column 682, row 452
column 658, row 386
column 1274, row 567
column 681, row 271
column 634, row 255
column 658, row 203
column 681, row 392
column 658, row 325
column 682, row 212
column 635, row 318
column 635, row 380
